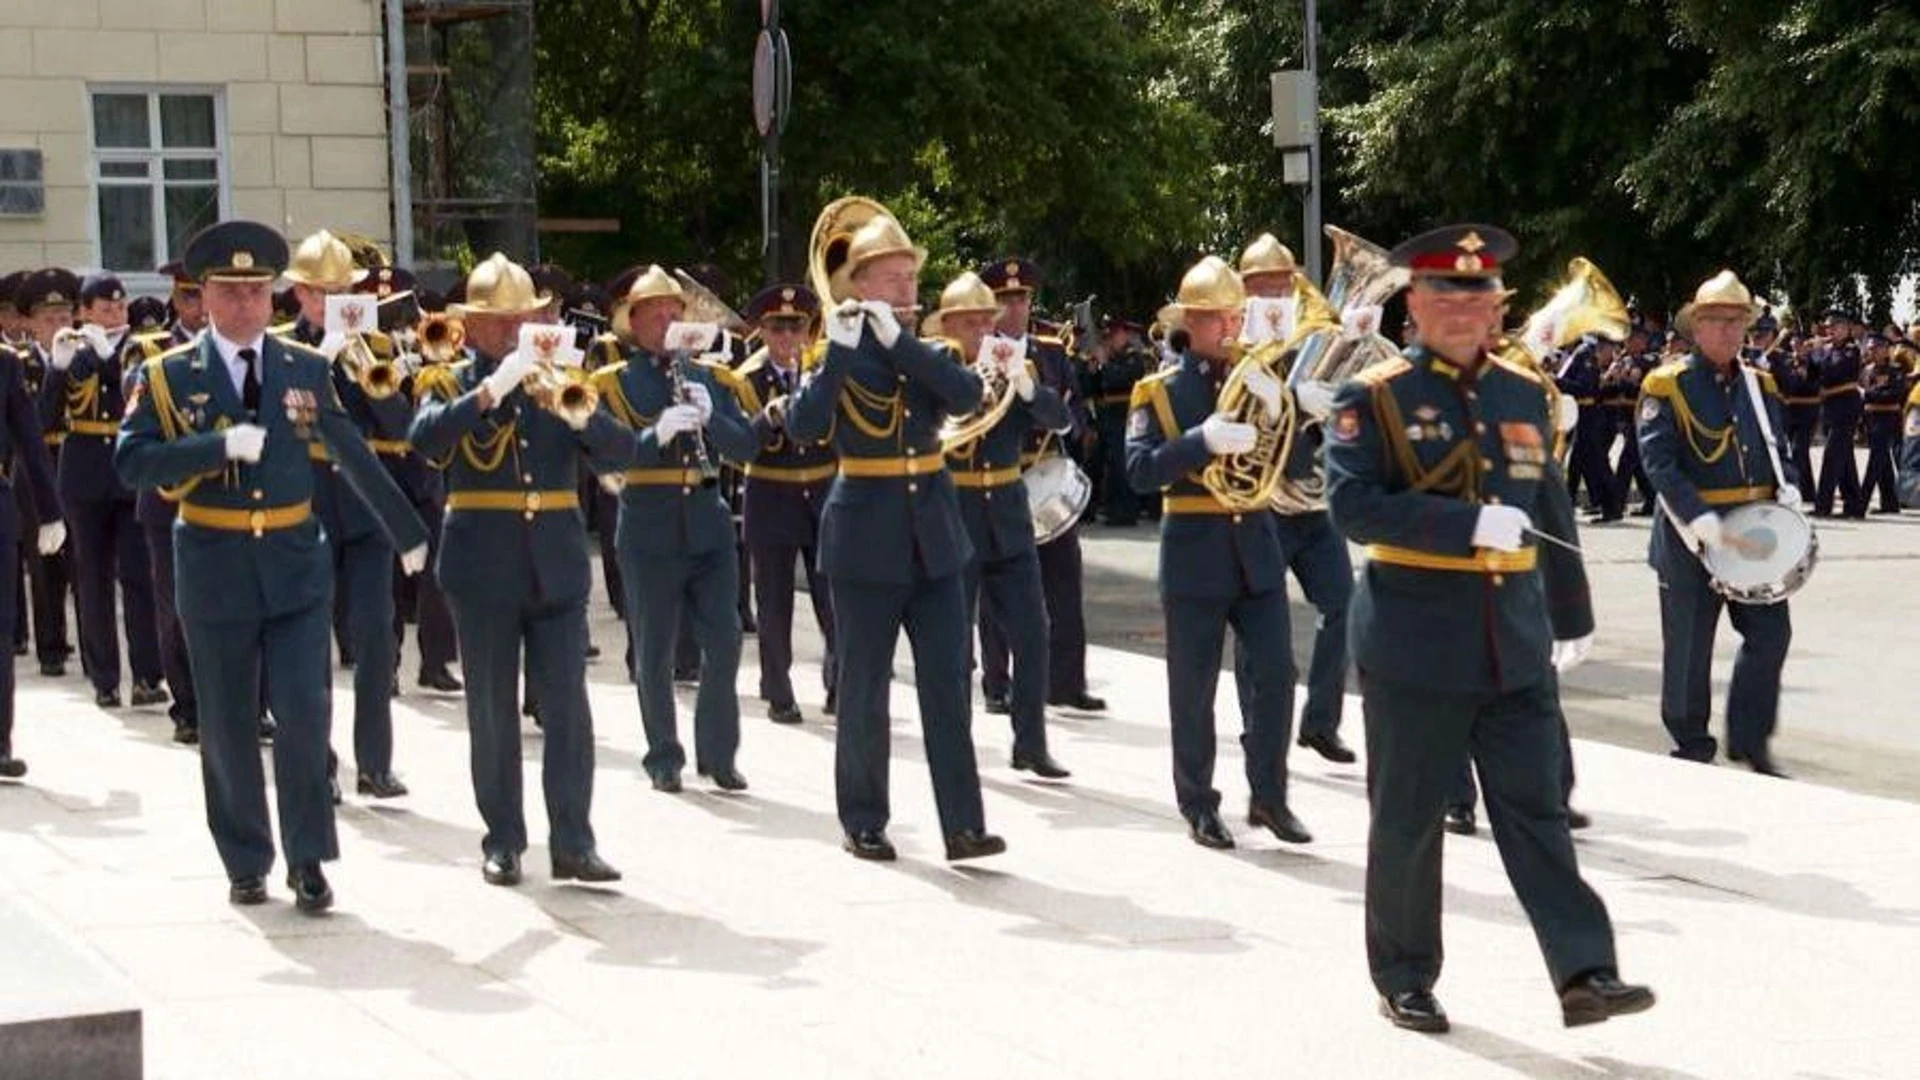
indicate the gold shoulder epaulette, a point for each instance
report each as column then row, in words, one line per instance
column 1913, row 397
column 281, row 330
column 814, row 354
column 178, row 350
column 1145, row 387
column 607, row 373
column 721, row 369
column 1390, row 368
column 436, row 379
column 1664, row 381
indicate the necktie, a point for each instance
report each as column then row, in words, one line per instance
column 250, row 385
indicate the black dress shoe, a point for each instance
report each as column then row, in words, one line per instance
column 998, row 704
column 333, row 788
column 1041, row 765
column 1597, row 995
column 1577, row 820
column 871, row 845
column 186, row 734
column 53, row 669
column 1761, row 763
column 973, row 844
column 440, row 679
column 311, row 893
column 727, row 779
column 747, row 623
column 145, row 694
column 1329, row 746
column 380, row 785
column 1209, row 831
column 1279, row 821
column 1415, row 1010
column 1460, row 821
column 501, row 869
column 267, row 728
column 346, row 661
column 593, row 651
column 589, row 868
column 11, row 768
column 247, row 891
column 785, row 714
column 1080, row 701
column 832, row 704
column 107, row 699
column 666, row 780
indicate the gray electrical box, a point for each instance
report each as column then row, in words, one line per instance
column 1296, row 109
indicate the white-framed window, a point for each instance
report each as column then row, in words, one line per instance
column 159, row 171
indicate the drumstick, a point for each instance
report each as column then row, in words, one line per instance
column 1556, row 541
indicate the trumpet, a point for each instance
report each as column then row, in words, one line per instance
column 440, row 337
column 379, row 379
column 557, row 388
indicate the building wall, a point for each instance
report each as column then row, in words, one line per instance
column 305, row 131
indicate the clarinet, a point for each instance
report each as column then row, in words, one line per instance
column 702, row 460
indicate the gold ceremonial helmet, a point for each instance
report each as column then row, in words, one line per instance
column 500, row 286
column 324, row 261
column 849, row 233
column 655, row 284
column 1266, row 255
column 967, row 294
column 1723, row 289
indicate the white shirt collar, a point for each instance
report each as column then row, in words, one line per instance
column 230, row 350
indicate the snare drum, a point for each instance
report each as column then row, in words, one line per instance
column 1769, row 552
column 1057, row 494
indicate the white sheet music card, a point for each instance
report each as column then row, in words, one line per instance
column 1269, row 318
column 550, row 343
column 351, row 313
column 1005, row 351
column 692, row 337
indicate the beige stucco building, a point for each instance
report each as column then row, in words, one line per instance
column 152, row 118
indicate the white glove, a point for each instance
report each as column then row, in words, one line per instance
column 612, row 483
column 331, row 344
column 245, row 442
column 1568, row 655
column 1314, row 398
column 513, row 369
column 1788, row 496
column 675, row 420
column 1359, row 320
column 1569, row 414
column 1706, row 529
column 96, row 336
column 1500, row 527
column 701, row 400
column 1261, row 384
column 53, row 536
column 1224, row 436
column 1020, row 377
column 886, row 326
column 414, row 560
column 64, row 346
column 407, row 364
column 844, row 323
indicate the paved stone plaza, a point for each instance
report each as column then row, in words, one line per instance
column 1778, row 921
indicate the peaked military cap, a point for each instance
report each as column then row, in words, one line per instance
column 147, row 313
column 1458, row 258
column 1010, row 275
column 101, row 285
column 52, row 287
column 388, row 281
column 177, row 270
column 783, row 302
column 236, row 251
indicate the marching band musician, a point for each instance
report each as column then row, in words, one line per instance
column 1580, row 378
column 1706, row 450
column 785, row 490
column 189, row 313
column 675, row 532
column 1883, row 383
column 1116, row 364
column 20, row 445
column 222, row 423
column 513, row 565
column 1217, row 568
column 1314, row 551
column 1440, row 462
column 45, row 302
column 362, row 556
column 892, row 542
column 993, row 503
column 81, row 395
column 1837, row 365
column 1799, row 387
column 1013, row 282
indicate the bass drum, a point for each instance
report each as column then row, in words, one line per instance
column 1057, row 494
column 1769, row 552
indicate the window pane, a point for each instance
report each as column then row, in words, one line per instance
column 189, row 209
column 186, row 120
column 120, row 120
column 126, row 228
column 138, row 170
column 192, row 169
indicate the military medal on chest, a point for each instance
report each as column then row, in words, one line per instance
column 303, row 407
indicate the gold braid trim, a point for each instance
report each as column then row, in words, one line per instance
column 858, row 397
column 173, row 423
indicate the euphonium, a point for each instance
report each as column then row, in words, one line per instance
column 441, row 338
column 969, row 295
column 849, row 230
column 557, row 388
column 1323, row 351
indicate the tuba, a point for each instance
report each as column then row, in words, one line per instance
column 830, row 249
column 1586, row 303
